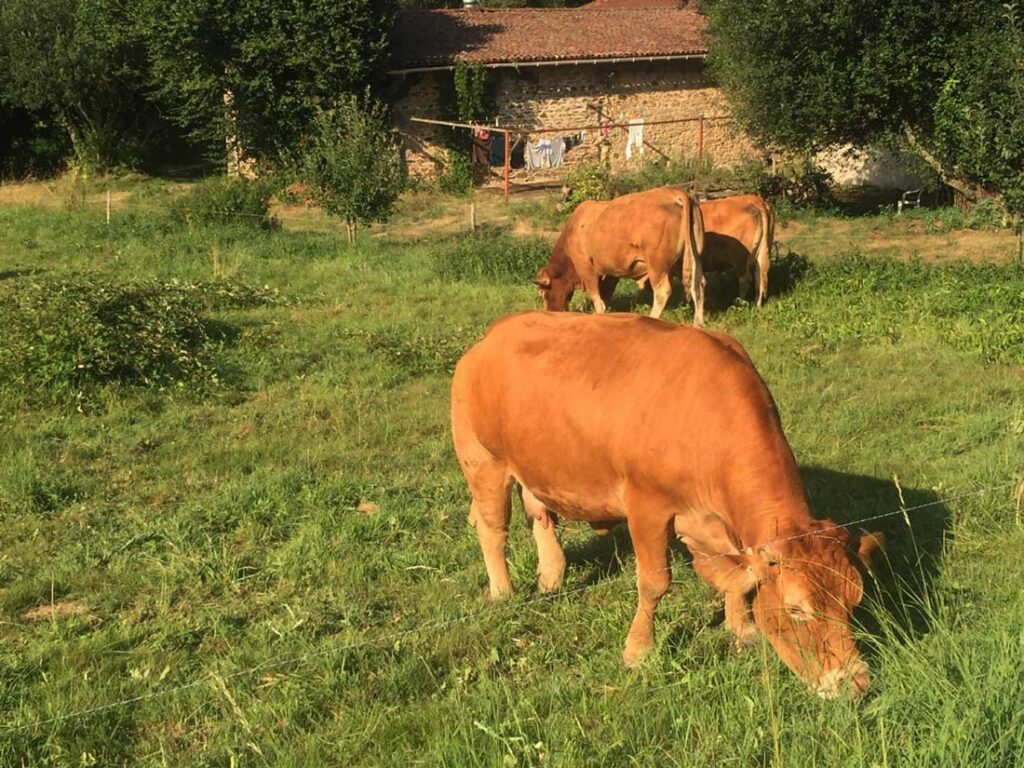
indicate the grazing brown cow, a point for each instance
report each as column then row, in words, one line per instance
column 551, row 401
column 738, row 235
column 640, row 236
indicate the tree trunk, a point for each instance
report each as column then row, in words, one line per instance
column 967, row 190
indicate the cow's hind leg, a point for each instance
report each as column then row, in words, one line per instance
column 489, row 512
column 550, row 557
column 650, row 533
column 662, row 286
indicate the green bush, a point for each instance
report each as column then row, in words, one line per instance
column 226, row 202
column 490, row 254
column 65, row 337
column 457, row 178
column 588, row 182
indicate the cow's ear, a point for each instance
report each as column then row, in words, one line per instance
column 543, row 279
column 869, row 545
column 759, row 559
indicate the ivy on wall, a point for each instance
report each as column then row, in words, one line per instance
column 470, row 100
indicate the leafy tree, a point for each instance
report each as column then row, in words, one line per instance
column 803, row 74
column 259, row 69
column 80, row 63
column 351, row 163
column 979, row 111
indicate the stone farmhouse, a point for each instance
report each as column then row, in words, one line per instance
column 621, row 64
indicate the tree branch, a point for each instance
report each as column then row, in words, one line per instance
column 970, row 191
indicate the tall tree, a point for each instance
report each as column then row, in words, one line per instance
column 803, row 74
column 81, row 63
column 351, row 163
column 259, row 69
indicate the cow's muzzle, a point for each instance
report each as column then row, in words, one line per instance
column 852, row 681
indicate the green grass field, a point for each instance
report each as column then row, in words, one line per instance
column 263, row 559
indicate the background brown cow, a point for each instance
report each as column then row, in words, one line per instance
column 640, row 236
column 738, row 236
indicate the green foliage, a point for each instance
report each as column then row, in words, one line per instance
column 470, row 100
column 457, row 178
column 984, row 215
column 490, row 254
column 978, row 128
column 68, row 335
column 82, row 64
column 280, row 63
column 30, row 144
column 591, row 181
column 812, row 73
column 473, row 94
column 803, row 185
column 350, row 161
column 226, row 202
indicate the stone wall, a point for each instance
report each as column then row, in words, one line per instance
column 565, row 96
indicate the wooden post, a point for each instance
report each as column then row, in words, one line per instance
column 108, row 207
column 472, row 217
column 700, row 139
column 508, row 160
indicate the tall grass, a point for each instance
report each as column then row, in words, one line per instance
column 295, row 550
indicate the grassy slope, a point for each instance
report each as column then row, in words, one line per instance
column 177, row 538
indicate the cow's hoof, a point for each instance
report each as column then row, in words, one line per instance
column 549, row 584
column 499, row 593
column 746, row 637
column 634, row 655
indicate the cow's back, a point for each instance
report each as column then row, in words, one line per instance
column 733, row 229
column 581, row 404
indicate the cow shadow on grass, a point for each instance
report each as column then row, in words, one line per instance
column 917, row 526
column 896, row 591
column 721, row 290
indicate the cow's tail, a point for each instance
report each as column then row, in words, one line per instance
column 762, row 261
column 691, row 236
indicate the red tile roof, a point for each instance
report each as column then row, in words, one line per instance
column 594, row 5
column 437, row 38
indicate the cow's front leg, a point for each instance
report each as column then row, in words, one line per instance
column 745, row 281
column 650, row 542
column 662, row 286
column 738, row 619
column 592, row 285
column 606, row 287
column 550, row 557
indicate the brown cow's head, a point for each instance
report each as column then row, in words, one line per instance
column 555, row 290
column 807, row 588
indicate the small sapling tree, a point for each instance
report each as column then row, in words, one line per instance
column 350, row 162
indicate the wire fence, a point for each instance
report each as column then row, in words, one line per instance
column 116, row 212
column 444, row 624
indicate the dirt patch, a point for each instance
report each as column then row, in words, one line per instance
column 59, row 608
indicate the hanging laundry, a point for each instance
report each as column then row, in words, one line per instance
column 574, row 140
column 635, row 141
column 556, row 152
column 539, row 155
column 481, row 146
column 498, row 148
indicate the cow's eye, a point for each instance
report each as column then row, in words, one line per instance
column 796, row 613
